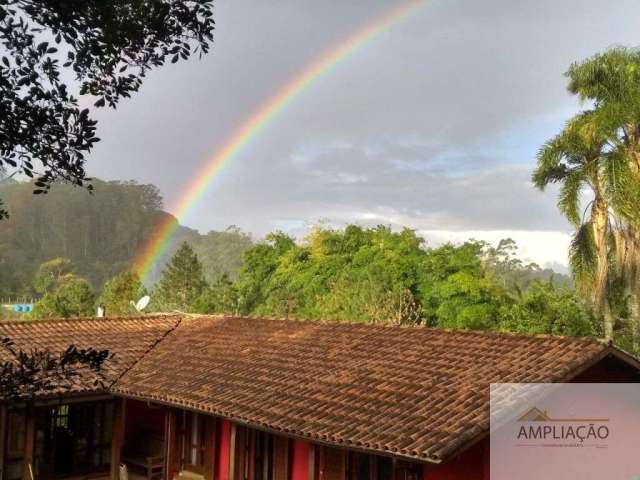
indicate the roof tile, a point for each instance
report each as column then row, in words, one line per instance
column 414, row 392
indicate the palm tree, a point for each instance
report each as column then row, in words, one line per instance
column 611, row 81
column 577, row 159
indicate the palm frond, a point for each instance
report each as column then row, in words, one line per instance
column 583, row 258
column 569, row 198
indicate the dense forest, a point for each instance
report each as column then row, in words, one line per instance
column 99, row 233
column 77, row 258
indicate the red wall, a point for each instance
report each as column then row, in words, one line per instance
column 224, row 450
column 142, row 421
column 300, row 461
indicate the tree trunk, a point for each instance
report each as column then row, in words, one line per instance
column 631, row 283
column 600, row 223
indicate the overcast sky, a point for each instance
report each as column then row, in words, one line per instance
column 434, row 125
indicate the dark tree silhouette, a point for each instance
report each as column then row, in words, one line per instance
column 27, row 374
column 107, row 46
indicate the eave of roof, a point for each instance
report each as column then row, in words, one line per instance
column 129, row 338
column 148, row 388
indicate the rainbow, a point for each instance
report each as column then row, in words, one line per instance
column 161, row 238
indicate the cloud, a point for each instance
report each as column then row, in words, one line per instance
column 434, row 125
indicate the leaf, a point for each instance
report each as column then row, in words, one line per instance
column 99, row 103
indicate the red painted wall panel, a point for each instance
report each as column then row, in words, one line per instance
column 224, row 450
column 142, row 421
column 300, row 461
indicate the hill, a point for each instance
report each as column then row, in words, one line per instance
column 100, row 233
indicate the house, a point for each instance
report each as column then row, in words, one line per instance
column 221, row 398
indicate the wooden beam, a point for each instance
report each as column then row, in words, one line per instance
column 169, row 441
column 312, row 462
column 117, row 436
column 232, row 452
column 209, row 447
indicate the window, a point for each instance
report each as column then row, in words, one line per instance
column 195, row 440
column 263, row 459
column 73, row 439
column 60, row 417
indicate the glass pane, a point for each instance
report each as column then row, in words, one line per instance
column 195, row 439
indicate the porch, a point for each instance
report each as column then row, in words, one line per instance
column 203, row 447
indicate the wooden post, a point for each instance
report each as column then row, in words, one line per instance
column 280, row 458
column 29, row 438
column 209, row 447
column 168, row 432
column 232, row 452
column 312, row 462
column 117, row 437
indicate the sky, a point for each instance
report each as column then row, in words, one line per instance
column 434, row 125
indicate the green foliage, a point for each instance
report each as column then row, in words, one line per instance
column 599, row 151
column 221, row 297
column 119, row 292
column 182, row 282
column 50, row 273
column 219, row 252
column 469, row 300
column 100, row 234
column 380, row 276
column 106, row 48
column 72, row 298
column 547, row 309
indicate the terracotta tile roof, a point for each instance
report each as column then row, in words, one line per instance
column 412, row 392
column 128, row 338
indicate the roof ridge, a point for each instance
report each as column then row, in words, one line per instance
column 86, row 319
column 157, row 341
column 485, row 333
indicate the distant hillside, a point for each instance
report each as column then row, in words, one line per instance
column 219, row 252
column 100, row 233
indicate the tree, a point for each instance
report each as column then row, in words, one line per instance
column 49, row 274
column 577, row 159
column 182, row 281
column 611, row 82
column 547, row 309
column 470, row 300
column 606, row 248
column 220, row 297
column 101, row 234
column 109, row 47
column 28, row 374
column 119, row 292
column 72, row 298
